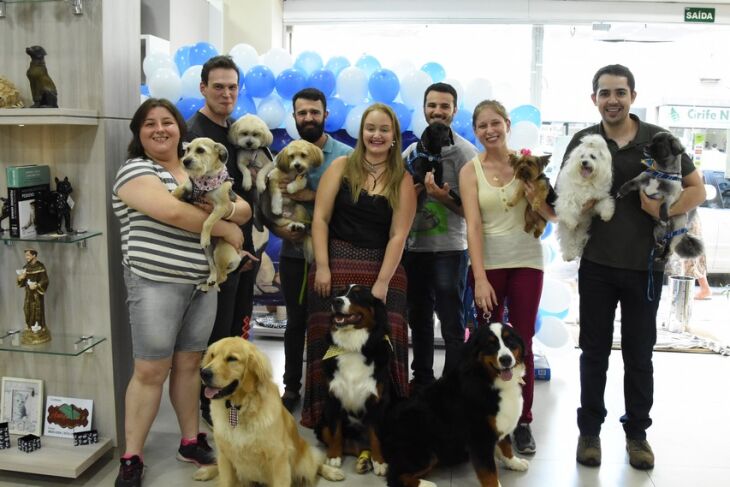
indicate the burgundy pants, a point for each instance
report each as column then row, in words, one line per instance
column 521, row 288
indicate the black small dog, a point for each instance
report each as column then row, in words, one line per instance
column 427, row 157
column 59, row 205
column 663, row 179
column 42, row 87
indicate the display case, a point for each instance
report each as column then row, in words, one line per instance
column 94, row 62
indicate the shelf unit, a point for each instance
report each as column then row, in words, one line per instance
column 94, row 61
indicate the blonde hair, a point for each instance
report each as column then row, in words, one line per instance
column 355, row 171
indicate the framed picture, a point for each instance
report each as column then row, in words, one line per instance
column 21, row 405
column 65, row 416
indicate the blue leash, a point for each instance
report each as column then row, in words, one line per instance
column 668, row 236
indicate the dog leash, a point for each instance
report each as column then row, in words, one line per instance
column 668, row 236
column 415, row 154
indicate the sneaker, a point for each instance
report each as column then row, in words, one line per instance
column 589, row 451
column 290, row 400
column 199, row 453
column 205, row 414
column 522, row 439
column 131, row 472
column 641, row 456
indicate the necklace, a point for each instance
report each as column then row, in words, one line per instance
column 370, row 167
column 375, row 179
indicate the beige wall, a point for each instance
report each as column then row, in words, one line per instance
column 255, row 22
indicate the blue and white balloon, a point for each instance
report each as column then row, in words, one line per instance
column 277, row 60
column 352, row 85
column 412, row 87
column 165, row 83
column 191, row 82
column 271, row 111
column 245, row 56
column 308, row 62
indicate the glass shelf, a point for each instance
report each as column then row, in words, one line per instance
column 77, row 238
column 68, row 345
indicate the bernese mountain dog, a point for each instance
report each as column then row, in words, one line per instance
column 466, row 415
column 357, row 370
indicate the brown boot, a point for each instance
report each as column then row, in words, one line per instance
column 589, row 451
column 641, row 456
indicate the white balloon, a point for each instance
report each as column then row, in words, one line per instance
column 352, row 85
column 524, row 135
column 155, row 61
column 412, row 87
column 245, row 56
column 555, row 297
column 478, row 89
column 352, row 122
column 165, row 83
column 553, row 332
column 403, row 68
column 271, row 111
column 418, row 123
column 291, row 126
column 459, row 89
column 277, row 60
column 191, row 82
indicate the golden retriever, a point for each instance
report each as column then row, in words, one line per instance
column 255, row 436
column 252, row 137
column 205, row 162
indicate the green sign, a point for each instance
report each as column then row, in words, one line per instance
column 699, row 14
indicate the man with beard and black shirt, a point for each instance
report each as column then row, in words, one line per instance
column 219, row 86
column 310, row 112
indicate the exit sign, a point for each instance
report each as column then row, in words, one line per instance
column 699, row 14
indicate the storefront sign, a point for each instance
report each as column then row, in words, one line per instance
column 694, row 116
column 699, row 14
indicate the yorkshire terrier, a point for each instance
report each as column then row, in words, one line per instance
column 529, row 168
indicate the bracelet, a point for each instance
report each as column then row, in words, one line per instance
column 233, row 212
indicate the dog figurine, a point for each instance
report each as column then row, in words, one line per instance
column 255, row 436
column 54, row 209
column 529, row 168
column 42, row 87
column 357, row 368
column 5, row 212
column 468, row 414
column 292, row 164
column 663, row 179
column 586, row 176
column 205, row 162
column 427, row 157
column 9, row 95
column 252, row 137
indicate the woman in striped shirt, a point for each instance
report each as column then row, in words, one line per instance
column 163, row 263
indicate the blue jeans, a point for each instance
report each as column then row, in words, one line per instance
column 436, row 282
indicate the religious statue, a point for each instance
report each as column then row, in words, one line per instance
column 34, row 279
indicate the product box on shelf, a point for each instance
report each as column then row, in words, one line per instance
column 23, row 209
column 29, row 443
column 28, row 175
column 4, row 436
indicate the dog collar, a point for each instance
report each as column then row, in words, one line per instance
column 654, row 172
column 415, row 154
column 209, row 183
column 232, row 413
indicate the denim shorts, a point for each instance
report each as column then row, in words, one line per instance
column 168, row 317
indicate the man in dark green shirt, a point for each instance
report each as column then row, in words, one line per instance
column 615, row 270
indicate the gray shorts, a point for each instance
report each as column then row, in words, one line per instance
column 168, row 317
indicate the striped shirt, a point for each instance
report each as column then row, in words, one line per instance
column 152, row 249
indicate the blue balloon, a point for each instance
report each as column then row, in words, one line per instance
column 435, row 71
column 241, row 76
column 337, row 64
column 462, row 124
column 384, row 85
column 182, row 58
column 308, row 62
column 559, row 314
column 244, row 105
column 281, row 139
column 144, row 90
column 324, row 80
column 548, row 230
column 289, row 82
column 337, row 114
column 259, row 81
column 403, row 113
column 538, row 323
column 201, row 52
column 368, row 64
column 188, row 106
column 529, row 113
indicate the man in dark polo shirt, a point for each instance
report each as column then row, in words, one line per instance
column 615, row 270
column 219, row 86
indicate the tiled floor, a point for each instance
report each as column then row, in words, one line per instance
column 689, row 436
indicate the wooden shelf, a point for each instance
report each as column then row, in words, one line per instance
column 48, row 116
column 57, row 456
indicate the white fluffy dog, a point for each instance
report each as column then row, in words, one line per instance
column 252, row 137
column 587, row 175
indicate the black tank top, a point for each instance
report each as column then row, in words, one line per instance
column 364, row 224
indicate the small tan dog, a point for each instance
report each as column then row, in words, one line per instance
column 208, row 181
column 292, row 165
column 256, row 438
column 252, row 137
column 529, row 168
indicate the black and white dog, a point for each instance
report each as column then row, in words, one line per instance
column 663, row 179
column 426, row 157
